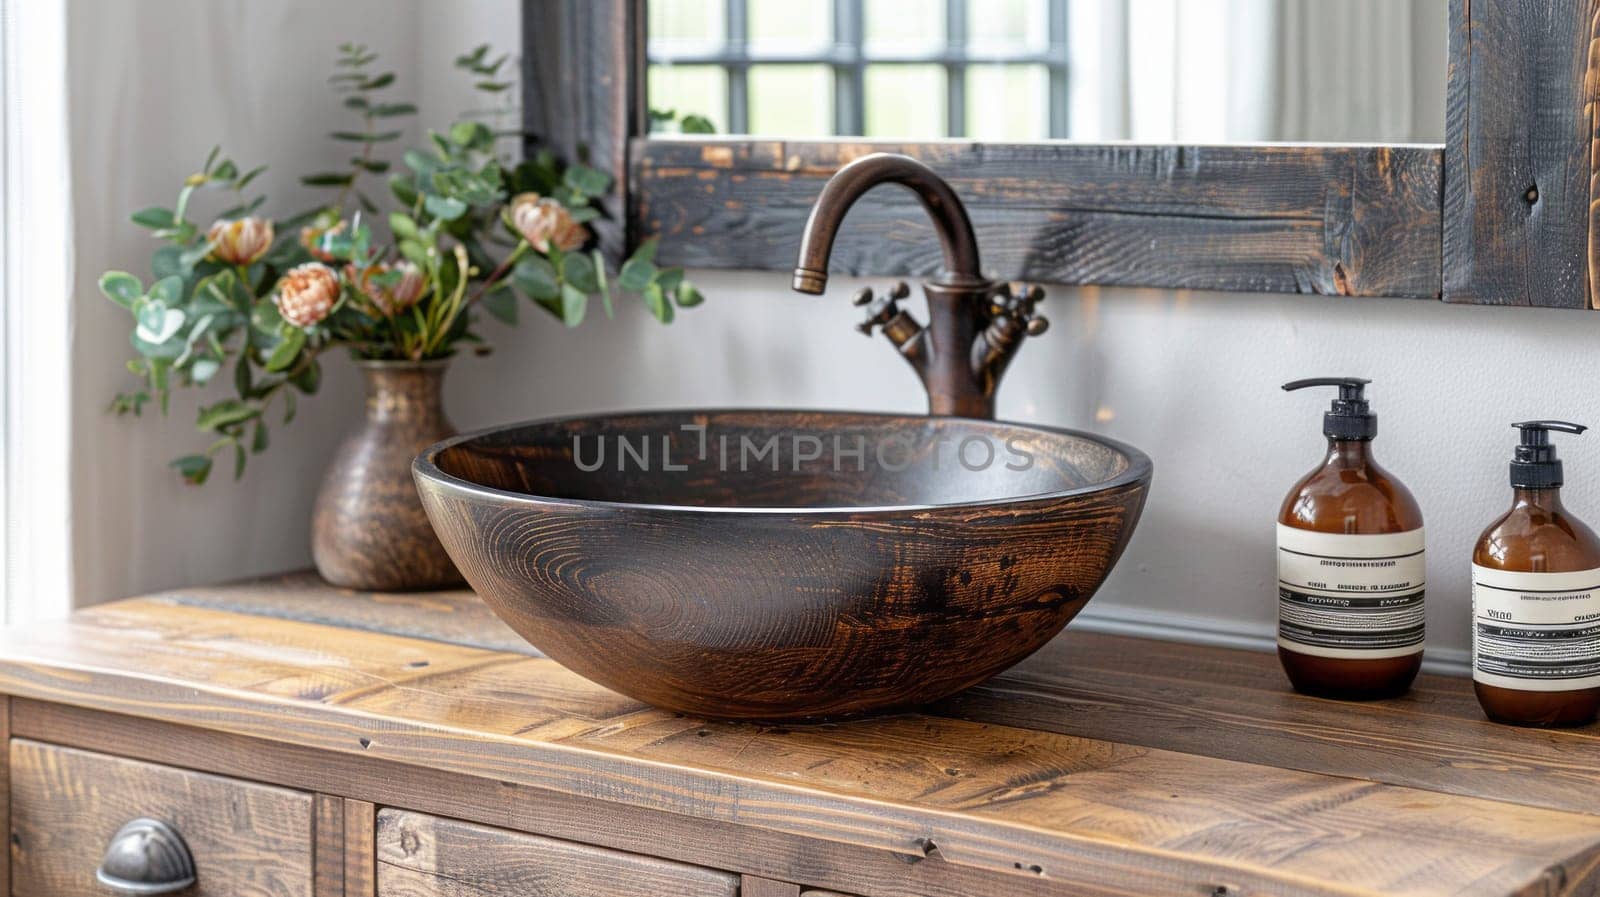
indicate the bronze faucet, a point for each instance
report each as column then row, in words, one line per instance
column 975, row 324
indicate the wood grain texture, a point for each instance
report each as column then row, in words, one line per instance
column 1521, row 153
column 580, row 96
column 1214, row 702
column 1106, row 817
column 327, row 843
column 5, row 790
column 425, row 856
column 360, row 848
column 813, row 587
column 755, row 886
column 247, row 840
column 760, row 852
column 1362, row 221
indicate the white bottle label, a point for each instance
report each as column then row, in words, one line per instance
column 1536, row 631
column 1351, row 597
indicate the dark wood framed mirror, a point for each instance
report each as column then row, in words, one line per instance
column 1503, row 212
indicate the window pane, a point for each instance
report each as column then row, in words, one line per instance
column 1000, row 26
column 678, row 26
column 905, row 101
column 791, row 100
column 904, row 27
column 790, row 27
column 1008, row 102
column 691, row 90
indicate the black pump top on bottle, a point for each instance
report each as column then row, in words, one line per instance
column 1349, row 418
column 1535, row 466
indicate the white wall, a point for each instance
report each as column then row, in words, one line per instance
column 153, row 85
column 1191, row 378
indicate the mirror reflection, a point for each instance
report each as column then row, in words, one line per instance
column 1199, row 71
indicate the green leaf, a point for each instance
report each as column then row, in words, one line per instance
column 167, row 290
column 420, row 162
column 536, row 277
column 158, row 323
column 404, row 188
column 204, row 369
column 383, row 80
column 647, row 249
column 376, row 166
column 656, row 301
column 573, row 304
column 578, row 270
column 501, row 303
column 309, row 379
column 238, row 461
column 636, row 274
column 688, row 296
column 403, row 225
column 243, row 381
column 414, row 252
column 225, row 413
column 494, row 86
column 470, row 133
column 696, row 124
column 390, row 110
column 586, row 180
column 363, row 137
column 154, row 217
column 193, row 468
column 121, row 287
column 164, row 262
column 227, row 171
column 668, row 279
column 248, row 176
column 605, row 288
column 258, row 439
column 211, row 158
column 288, row 408
column 328, row 179
column 287, row 351
column 445, row 207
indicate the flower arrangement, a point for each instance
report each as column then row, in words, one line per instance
column 462, row 229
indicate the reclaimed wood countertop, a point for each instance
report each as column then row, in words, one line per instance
column 1103, row 764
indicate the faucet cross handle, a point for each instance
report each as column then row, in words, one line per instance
column 1016, row 301
column 880, row 310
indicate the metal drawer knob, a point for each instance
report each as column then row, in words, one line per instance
column 147, row 856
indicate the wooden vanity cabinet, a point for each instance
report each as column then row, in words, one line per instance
column 302, row 741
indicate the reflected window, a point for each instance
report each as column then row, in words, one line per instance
column 905, row 69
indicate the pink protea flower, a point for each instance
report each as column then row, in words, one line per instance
column 241, row 241
column 544, row 222
column 306, row 295
column 389, row 294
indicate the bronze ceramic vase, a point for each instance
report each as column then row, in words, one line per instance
column 368, row 530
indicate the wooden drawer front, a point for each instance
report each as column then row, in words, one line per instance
column 247, row 840
column 425, row 856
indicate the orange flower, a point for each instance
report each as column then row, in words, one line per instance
column 241, row 241
column 543, row 221
column 314, row 236
column 393, row 297
column 306, row 294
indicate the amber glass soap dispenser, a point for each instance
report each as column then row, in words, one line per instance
column 1351, row 569
column 1536, row 598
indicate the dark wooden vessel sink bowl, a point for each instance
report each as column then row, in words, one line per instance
column 783, row 564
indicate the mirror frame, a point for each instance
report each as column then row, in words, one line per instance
column 1505, row 212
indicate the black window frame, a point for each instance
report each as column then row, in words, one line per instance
column 847, row 56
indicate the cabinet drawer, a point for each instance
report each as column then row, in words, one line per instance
column 425, row 856
column 246, row 840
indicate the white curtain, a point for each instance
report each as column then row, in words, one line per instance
column 1237, row 71
column 35, row 314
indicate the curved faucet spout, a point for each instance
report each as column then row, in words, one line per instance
column 949, row 218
